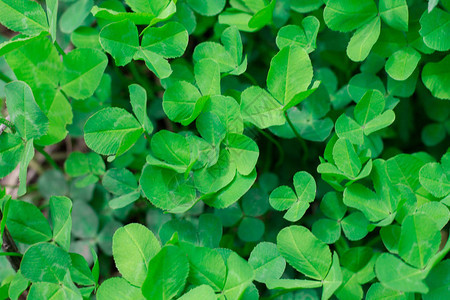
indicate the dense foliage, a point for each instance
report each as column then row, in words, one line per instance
column 212, row 149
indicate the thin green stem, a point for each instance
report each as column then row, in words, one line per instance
column 10, row 254
column 250, row 78
column 141, row 80
column 276, row 143
column 5, row 78
column 59, row 49
column 8, row 124
column 47, row 156
column 299, row 138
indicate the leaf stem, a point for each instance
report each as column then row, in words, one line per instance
column 59, row 49
column 47, row 156
column 297, row 135
column 10, row 254
column 250, row 78
column 276, row 143
column 10, row 247
column 135, row 72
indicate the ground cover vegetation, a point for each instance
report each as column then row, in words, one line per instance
column 242, row 149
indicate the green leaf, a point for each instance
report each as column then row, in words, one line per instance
column 304, row 6
column 83, row 70
column 347, row 128
column 251, row 229
column 363, row 40
column 167, row 277
column 283, row 197
column 332, row 206
column 169, row 40
column 436, row 77
column 118, row 288
column 346, row 158
column 207, row 7
column 433, row 177
column 111, row 131
column 305, row 186
column 80, row 271
column 167, row 189
column 11, row 149
column 119, row 181
column 227, row 109
column 374, row 207
column 292, row 284
column 211, row 179
column 18, row 42
column 39, row 69
column 179, row 101
column 348, row 15
column 438, row 281
column 17, row 286
column 369, row 107
column 216, row 52
column 244, row 152
column 290, row 73
column 46, row 290
column 267, row 262
column 328, row 231
column 79, row 164
column 304, row 251
column 200, row 292
column 121, row 40
column 402, row 63
column 26, row 115
column 200, row 260
column 433, row 134
column 360, row 83
column 378, row 291
column 155, row 63
column 52, row 15
column 207, row 76
column 333, row 280
column 23, row 16
column 304, row 36
column 45, row 263
column 27, row 224
column 419, row 240
column 260, row 108
column 138, row 99
column 232, row 42
column 239, row 276
column 436, row 211
column 232, row 192
column 74, row 15
column 435, row 26
column 147, row 6
column 106, row 14
column 59, row 113
column 86, row 37
column 133, row 247
column 355, row 226
column 60, row 212
column 211, row 128
column 395, row 13
column 395, row 274
column 171, row 147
